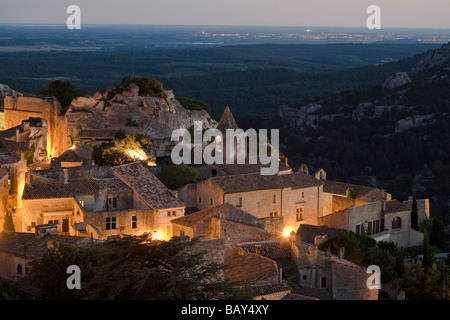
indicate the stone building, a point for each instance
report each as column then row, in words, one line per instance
column 335, row 194
column 19, row 249
column 382, row 220
column 223, row 221
column 296, row 197
column 125, row 200
column 19, row 109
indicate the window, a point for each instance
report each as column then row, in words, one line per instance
column 359, row 229
column 305, row 277
column 181, row 233
column 303, row 195
column 134, row 222
column 239, row 202
column 396, row 223
column 110, row 223
column 211, row 201
column 299, row 214
column 19, row 269
column 82, row 203
column 168, row 213
column 213, row 172
column 323, row 282
column 200, row 200
column 274, row 198
column 114, row 203
column 53, row 221
column 369, row 228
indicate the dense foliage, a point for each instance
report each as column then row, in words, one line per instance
column 175, row 176
column 147, row 86
column 155, row 270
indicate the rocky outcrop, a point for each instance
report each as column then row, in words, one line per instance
column 7, row 91
column 432, row 59
column 413, row 122
column 396, row 80
column 129, row 112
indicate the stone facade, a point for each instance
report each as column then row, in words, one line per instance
column 20, row 109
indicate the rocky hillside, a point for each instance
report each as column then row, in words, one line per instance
column 130, row 112
column 412, row 94
column 395, row 135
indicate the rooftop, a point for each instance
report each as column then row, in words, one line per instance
column 256, row 181
column 145, row 183
column 250, row 269
column 28, row 245
column 307, row 233
column 55, row 189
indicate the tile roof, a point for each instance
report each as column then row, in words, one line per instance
column 397, row 206
column 251, row 269
column 258, row 291
column 29, row 245
column 3, row 173
column 56, row 189
column 145, row 183
column 338, row 187
column 256, row 181
column 277, row 249
column 306, row 232
column 113, row 185
column 235, row 169
column 8, row 157
column 295, row 296
column 226, row 211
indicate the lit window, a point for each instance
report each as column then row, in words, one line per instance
column 82, row 203
column 299, row 214
column 134, row 222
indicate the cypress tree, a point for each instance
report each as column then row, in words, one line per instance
column 414, row 214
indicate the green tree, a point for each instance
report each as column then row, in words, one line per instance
column 420, row 283
column 175, row 176
column 147, row 86
column 428, row 254
column 350, row 193
column 9, row 291
column 134, row 267
column 414, row 214
column 437, row 235
column 62, row 90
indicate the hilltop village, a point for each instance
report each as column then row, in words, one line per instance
column 268, row 230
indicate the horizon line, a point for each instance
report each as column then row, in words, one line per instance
column 219, row 25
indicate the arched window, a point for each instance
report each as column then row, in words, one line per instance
column 396, row 223
column 19, row 269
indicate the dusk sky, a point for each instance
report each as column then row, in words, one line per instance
column 394, row 13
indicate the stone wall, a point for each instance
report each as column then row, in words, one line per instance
column 350, row 283
column 234, row 233
column 145, row 222
column 338, row 220
column 46, row 108
column 8, row 266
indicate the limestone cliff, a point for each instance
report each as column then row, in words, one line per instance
column 129, row 112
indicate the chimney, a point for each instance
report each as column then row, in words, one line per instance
column 319, row 239
column 26, row 126
column 280, row 280
column 342, row 253
column 28, row 178
column 17, row 134
column 65, row 176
